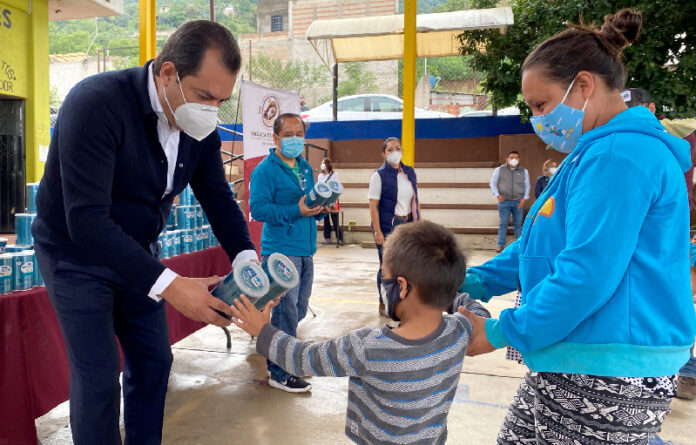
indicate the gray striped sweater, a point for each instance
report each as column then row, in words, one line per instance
column 399, row 391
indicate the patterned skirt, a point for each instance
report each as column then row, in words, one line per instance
column 579, row 409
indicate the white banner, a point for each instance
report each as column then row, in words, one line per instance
column 261, row 106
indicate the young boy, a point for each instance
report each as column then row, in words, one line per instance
column 402, row 380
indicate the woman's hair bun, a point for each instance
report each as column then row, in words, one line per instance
column 622, row 28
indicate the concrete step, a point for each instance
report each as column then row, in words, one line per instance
column 447, row 215
column 467, row 238
column 425, row 173
column 449, row 194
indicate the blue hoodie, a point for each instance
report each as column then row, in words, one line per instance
column 603, row 260
column 274, row 194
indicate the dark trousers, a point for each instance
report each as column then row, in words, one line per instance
column 330, row 219
column 94, row 307
column 395, row 223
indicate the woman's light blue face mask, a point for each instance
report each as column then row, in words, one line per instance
column 562, row 127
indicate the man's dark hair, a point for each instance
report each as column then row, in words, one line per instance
column 388, row 140
column 186, row 47
column 278, row 123
column 513, row 152
column 428, row 257
column 636, row 96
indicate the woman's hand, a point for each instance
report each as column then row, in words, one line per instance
column 379, row 238
column 478, row 343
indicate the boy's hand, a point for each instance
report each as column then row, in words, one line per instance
column 248, row 318
column 478, row 343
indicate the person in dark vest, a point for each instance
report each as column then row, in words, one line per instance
column 393, row 197
column 125, row 144
column 548, row 170
column 510, row 185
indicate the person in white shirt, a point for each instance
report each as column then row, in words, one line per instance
column 331, row 219
column 393, row 197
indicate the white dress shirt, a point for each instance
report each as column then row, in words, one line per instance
column 169, row 139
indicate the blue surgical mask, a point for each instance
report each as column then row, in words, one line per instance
column 292, row 147
column 391, row 296
column 562, row 127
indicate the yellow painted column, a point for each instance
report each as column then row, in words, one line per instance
column 37, row 111
column 148, row 39
column 408, row 126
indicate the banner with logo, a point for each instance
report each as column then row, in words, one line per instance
column 260, row 108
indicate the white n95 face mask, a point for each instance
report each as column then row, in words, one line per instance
column 514, row 162
column 194, row 119
column 394, row 158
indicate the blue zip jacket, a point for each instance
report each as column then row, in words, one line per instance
column 274, row 194
column 603, row 260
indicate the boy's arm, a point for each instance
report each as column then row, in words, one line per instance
column 468, row 303
column 340, row 357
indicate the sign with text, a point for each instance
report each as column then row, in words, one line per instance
column 260, row 108
column 13, row 51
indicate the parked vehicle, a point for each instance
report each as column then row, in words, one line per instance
column 367, row 107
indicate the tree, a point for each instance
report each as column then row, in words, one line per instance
column 662, row 61
column 290, row 75
column 357, row 79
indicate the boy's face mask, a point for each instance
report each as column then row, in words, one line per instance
column 391, row 295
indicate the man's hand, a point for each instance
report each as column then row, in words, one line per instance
column 521, row 204
column 478, row 343
column 190, row 296
column 308, row 211
column 500, row 198
column 379, row 238
column 248, row 318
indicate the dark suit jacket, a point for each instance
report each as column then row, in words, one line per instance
column 100, row 200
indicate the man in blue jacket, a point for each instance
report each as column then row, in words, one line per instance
column 277, row 198
column 125, row 144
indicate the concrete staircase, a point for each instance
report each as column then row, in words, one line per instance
column 456, row 195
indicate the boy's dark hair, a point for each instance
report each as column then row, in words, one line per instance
column 278, row 123
column 186, row 47
column 428, row 257
column 386, row 141
column 636, row 96
column 580, row 47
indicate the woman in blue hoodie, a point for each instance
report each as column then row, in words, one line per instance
column 606, row 318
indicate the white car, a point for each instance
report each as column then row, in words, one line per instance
column 366, row 107
column 509, row 111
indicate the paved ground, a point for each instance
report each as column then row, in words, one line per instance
column 221, row 397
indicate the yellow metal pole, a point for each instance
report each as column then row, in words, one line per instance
column 147, row 31
column 408, row 127
column 37, row 128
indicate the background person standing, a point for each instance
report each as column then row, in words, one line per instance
column 330, row 220
column 393, row 197
column 510, row 185
column 277, row 198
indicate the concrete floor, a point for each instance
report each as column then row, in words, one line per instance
column 218, row 396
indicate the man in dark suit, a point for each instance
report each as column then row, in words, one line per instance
column 125, row 144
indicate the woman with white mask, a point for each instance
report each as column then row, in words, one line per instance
column 393, row 197
column 549, row 168
column 330, row 220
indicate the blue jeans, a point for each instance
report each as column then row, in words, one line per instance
column 504, row 210
column 292, row 308
column 689, row 369
column 396, row 222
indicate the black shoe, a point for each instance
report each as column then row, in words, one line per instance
column 499, row 249
column 292, row 384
